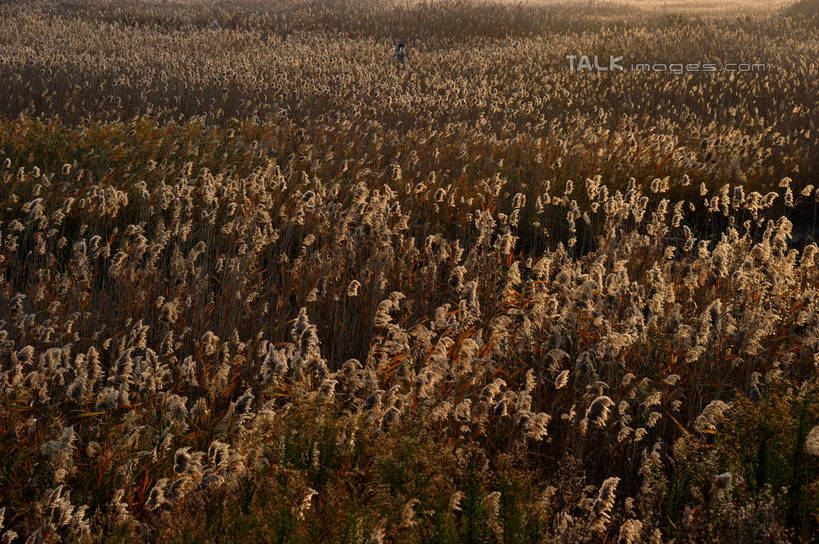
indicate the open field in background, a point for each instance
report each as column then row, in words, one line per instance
column 260, row 282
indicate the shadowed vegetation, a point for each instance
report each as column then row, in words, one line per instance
column 261, row 282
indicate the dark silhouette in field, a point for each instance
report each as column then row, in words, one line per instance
column 401, row 54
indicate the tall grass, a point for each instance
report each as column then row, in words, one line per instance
column 258, row 282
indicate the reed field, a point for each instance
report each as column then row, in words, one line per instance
column 262, row 280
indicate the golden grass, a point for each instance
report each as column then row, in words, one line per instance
column 259, row 282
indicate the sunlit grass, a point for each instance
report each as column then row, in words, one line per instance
column 259, row 282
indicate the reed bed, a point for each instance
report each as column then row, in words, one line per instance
column 261, row 282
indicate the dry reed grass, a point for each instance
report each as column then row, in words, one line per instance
column 260, row 283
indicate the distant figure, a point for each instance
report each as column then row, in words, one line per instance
column 401, row 53
column 214, row 24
